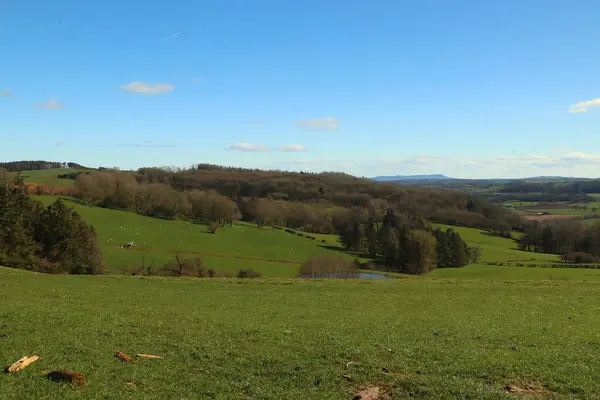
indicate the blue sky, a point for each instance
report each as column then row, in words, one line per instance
column 464, row 88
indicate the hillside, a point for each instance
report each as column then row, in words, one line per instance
column 273, row 253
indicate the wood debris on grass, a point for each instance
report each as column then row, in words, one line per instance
column 123, row 356
column 148, row 356
column 20, row 364
column 72, row 377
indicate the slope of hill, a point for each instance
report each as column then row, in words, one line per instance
column 271, row 252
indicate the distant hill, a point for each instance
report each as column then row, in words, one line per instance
column 410, row 178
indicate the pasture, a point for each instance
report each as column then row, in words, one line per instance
column 324, row 339
column 498, row 249
column 273, row 253
column 48, row 177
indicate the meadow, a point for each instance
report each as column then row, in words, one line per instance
column 312, row 339
column 273, row 253
column 499, row 249
column 48, row 177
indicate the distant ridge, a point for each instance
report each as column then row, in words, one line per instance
column 410, row 178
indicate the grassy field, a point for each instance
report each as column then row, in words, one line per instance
column 511, row 272
column 495, row 248
column 271, row 252
column 289, row 339
column 48, row 177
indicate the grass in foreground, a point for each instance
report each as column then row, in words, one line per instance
column 290, row 339
column 508, row 272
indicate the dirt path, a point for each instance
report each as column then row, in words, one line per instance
column 214, row 255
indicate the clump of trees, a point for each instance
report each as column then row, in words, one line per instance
column 113, row 189
column 328, row 267
column 15, row 166
column 571, row 239
column 52, row 239
column 404, row 243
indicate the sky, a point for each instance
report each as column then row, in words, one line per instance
column 469, row 89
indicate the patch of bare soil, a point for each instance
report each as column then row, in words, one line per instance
column 533, row 389
column 372, row 393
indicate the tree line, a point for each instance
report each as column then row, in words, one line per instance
column 572, row 239
column 52, row 239
column 16, row 166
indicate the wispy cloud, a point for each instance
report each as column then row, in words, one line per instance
column 59, row 144
column 4, row 92
column 147, row 88
column 345, row 164
column 583, row 106
column 196, row 79
column 292, row 148
column 171, row 36
column 242, row 146
column 560, row 149
column 51, row 105
column 329, row 123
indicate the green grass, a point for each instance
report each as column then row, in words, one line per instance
column 230, row 249
column 292, row 339
column 48, row 177
column 495, row 248
column 508, row 272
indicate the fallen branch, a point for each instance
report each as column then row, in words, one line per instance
column 123, row 356
column 20, row 364
column 148, row 356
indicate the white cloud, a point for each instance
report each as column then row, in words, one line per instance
column 583, row 106
column 580, row 158
column 51, row 105
column 292, row 148
column 241, row 146
column 147, row 88
column 329, row 123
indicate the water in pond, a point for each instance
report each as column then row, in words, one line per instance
column 361, row 275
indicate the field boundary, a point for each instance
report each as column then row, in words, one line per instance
column 200, row 253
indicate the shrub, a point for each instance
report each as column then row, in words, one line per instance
column 248, row 273
column 193, row 267
column 580, row 258
column 328, row 267
column 213, row 226
column 211, row 273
